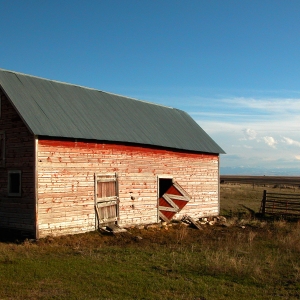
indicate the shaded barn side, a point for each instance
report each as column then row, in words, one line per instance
column 66, row 183
column 17, row 155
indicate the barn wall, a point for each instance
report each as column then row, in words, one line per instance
column 66, row 182
column 17, row 212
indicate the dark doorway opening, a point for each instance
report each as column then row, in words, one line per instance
column 164, row 185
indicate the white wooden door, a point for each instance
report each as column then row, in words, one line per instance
column 106, row 198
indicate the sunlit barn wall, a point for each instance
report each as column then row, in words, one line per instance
column 66, row 171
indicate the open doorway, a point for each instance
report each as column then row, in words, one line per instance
column 163, row 185
column 171, row 198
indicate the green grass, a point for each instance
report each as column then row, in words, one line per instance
column 246, row 259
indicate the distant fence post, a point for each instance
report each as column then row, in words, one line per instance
column 264, row 199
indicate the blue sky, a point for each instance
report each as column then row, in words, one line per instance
column 234, row 66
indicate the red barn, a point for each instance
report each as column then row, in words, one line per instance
column 74, row 158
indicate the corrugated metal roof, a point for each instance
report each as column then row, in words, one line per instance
column 57, row 109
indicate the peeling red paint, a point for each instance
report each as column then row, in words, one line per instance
column 132, row 150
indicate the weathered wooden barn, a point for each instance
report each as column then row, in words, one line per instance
column 73, row 158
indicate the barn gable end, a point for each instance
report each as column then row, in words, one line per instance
column 17, row 188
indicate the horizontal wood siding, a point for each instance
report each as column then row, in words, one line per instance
column 17, row 212
column 66, row 183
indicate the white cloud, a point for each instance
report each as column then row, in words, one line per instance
column 247, row 128
column 261, row 126
column 219, row 126
column 250, row 134
column 270, row 141
column 285, row 105
column 289, row 141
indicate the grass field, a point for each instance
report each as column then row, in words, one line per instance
column 244, row 258
column 239, row 199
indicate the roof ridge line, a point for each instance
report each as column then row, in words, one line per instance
column 84, row 87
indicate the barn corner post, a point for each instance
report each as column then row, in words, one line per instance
column 219, row 187
column 264, row 199
column 157, row 198
column 36, row 198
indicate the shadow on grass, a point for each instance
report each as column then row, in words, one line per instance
column 252, row 213
column 12, row 236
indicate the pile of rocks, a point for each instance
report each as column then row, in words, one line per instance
column 212, row 220
column 186, row 220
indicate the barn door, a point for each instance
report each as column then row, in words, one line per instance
column 106, row 198
column 172, row 201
